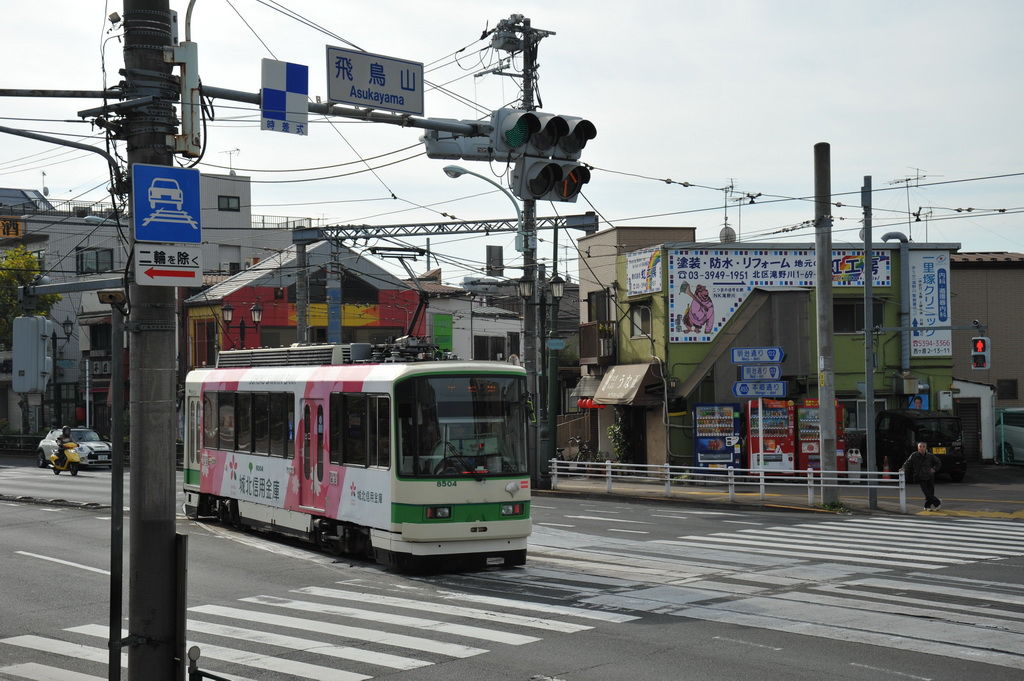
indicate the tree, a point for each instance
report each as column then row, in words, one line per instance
column 17, row 268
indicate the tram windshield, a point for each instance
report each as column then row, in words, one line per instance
column 461, row 425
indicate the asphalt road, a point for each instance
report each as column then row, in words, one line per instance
column 613, row 589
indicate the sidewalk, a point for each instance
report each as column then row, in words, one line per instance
column 988, row 491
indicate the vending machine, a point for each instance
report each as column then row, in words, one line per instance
column 771, row 434
column 718, row 435
column 809, row 436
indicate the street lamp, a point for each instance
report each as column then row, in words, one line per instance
column 227, row 313
column 556, row 287
column 528, row 291
column 58, row 407
column 458, row 171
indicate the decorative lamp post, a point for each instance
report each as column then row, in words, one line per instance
column 227, row 313
column 556, row 287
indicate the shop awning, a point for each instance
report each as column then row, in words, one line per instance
column 587, row 387
column 634, row 384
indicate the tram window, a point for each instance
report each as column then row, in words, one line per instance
column 226, row 420
column 261, row 422
column 210, row 421
column 243, row 422
column 380, row 439
column 355, row 432
column 320, row 442
column 334, row 427
column 279, row 424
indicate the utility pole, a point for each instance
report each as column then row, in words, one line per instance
column 869, row 341
column 152, row 585
column 823, row 297
column 531, row 347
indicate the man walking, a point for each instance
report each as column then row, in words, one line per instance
column 923, row 466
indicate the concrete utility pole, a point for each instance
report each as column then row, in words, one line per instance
column 531, row 348
column 869, row 341
column 152, row 585
column 823, row 297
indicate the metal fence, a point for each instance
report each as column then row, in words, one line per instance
column 731, row 479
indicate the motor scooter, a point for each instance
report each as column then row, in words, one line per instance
column 71, row 460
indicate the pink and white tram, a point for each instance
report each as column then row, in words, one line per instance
column 402, row 462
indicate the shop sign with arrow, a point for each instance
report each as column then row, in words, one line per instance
column 168, row 264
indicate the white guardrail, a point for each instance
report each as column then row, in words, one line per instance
column 732, row 478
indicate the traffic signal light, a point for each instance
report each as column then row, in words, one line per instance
column 980, row 352
column 32, row 360
column 549, row 169
column 511, row 129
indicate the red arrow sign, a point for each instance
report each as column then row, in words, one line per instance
column 170, row 273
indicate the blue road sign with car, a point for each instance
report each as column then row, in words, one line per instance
column 166, row 204
column 755, row 355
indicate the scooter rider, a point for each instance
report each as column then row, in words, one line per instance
column 62, row 457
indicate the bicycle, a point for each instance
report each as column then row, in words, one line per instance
column 583, row 451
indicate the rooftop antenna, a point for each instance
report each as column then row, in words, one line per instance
column 916, row 179
column 231, row 155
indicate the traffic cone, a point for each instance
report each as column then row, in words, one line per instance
column 885, row 469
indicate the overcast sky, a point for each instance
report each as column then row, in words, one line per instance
column 923, row 96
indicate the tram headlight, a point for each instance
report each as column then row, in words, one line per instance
column 511, row 509
column 439, row 512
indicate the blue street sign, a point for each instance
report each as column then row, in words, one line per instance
column 755, row 355
column 166, row 204
column 760, row 372
column 759, row 388
column 556, row 343
column 284, row 95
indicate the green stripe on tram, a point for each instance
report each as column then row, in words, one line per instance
column 191, row 476
column 461, row 513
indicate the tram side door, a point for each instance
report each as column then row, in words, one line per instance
column 312, row 455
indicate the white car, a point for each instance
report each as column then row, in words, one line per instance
column 92, row 450
column 163, row 191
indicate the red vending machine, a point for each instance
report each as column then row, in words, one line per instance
column 772, row 423
column 809, row 435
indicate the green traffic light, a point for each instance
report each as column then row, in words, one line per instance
column 518, row 134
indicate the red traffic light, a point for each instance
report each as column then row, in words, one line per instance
column 980, row 344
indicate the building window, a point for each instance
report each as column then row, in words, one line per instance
column 93, row 260
column 229, row 203
column 489, row 347
column 597, row 306
column 1006, row 389
column 848, row 315
column 639, row 321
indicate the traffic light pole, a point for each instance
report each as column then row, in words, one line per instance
column 153, row 580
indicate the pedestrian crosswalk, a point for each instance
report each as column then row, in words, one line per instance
column 877, row 542
column 336, row 633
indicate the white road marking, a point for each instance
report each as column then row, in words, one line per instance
column 746, row 643
column 741, row 522
column 615, row 529
column 541, row 607
column 64, row 562
column 610, row 520
column 890, row 671
column 554, row 525
column 38, row 672
column 673, row 517
column 817, row 548
column 358, row 633
column 482, row 633
column 459, row 611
